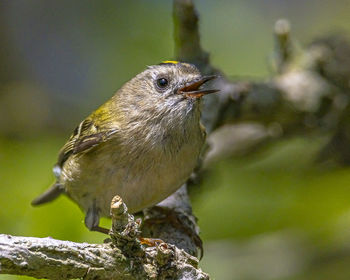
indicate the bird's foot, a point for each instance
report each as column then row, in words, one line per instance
column 178, row 221
column 151, row 242
column 100, row 229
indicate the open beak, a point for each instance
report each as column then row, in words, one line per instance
column 192, row 89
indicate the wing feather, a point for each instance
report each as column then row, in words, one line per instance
column 85, row 137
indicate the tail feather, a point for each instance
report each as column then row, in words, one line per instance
column 52, row 193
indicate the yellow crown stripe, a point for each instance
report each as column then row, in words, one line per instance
column 170, row 61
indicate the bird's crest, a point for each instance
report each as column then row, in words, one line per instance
column 170, row 62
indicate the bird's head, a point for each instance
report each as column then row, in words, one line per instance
column 169, row 86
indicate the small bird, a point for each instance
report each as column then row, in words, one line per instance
column 142, row 144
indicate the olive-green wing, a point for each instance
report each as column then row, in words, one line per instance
column 86, row 136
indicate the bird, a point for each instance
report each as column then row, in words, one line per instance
column 142, row 144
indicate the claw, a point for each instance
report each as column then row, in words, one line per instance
column 176, row 222
column 150, row 241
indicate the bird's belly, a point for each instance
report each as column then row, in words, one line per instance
column 141, row 183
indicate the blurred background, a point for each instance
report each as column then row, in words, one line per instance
column 272, row 214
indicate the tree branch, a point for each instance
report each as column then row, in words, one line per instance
column 308, row 92
column 124, row 256
column 56, row 259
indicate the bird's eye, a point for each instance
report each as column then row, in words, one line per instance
column 162, row 83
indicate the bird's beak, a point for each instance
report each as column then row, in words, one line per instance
column 192, row 89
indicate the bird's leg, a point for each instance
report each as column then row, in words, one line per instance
column 92, row 220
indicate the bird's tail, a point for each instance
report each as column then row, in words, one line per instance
column 52, row 193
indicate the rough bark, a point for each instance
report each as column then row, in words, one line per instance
column 124, row 256
column 308, row 91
